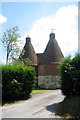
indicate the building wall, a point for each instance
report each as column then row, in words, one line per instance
column 48, row 70
column 49, row 82
column 49, row 76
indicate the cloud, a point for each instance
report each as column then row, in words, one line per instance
column 2, row 19
column 3, row 62
column 65, row 23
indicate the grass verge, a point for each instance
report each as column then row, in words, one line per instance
column 34, row 92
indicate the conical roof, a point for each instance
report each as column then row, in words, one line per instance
column 52, row 52
column 28, row 52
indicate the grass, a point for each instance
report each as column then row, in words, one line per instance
column 34, row 92
column 12, row 102
column 38, row 90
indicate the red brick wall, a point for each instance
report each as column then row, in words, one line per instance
column 48, row 70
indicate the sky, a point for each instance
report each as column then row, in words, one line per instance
column 37, row 19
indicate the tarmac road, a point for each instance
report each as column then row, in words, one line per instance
column 39, row 106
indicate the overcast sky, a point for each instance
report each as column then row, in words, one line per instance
column 36, row 19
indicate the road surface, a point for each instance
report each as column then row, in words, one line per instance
column 39, row 106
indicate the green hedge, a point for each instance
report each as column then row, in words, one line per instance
column 17, row 81
column 70, row 76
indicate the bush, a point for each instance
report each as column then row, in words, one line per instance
column 17, row 81
column 70, row 76
column 69, row 107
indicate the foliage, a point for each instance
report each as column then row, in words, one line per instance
column 26, row 61
column 17, row 82
column 17, row 62
column 69, row 107
column 21, row 62
column 70, row 76
column 34, row 92
column 10, row 42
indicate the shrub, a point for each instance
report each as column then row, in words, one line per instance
column 69, row 107
column 17, row 81
column 70, row 76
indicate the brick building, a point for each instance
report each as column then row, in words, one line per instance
column 46, row 63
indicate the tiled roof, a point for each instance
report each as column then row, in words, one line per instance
column 51, row 54
column 29, row 52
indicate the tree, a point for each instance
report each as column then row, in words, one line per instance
column 26, row 61
column 21, row 62
column 10, row 42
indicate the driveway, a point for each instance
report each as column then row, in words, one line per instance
column 39, row 106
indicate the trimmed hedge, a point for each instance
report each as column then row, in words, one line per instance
column 70, row 76
column 17, row 82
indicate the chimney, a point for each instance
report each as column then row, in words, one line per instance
column 28, row 39
column 52, row 36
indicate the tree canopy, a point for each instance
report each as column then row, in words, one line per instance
column 10, row 41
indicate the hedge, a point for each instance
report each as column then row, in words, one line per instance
column 70, row 76
column 17, row 82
